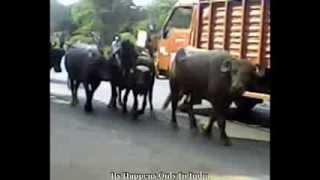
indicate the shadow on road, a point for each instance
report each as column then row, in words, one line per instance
column 254, row 117
column 259, row 116
column 155, row 121
column 146, row 143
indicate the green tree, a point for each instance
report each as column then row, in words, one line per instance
column 108, row 17
column 159, row 10
column 83, row 16
column 120, row 17
column 59, row 17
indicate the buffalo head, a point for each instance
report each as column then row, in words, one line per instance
column 243, row 75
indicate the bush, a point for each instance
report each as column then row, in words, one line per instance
column 140, row 25
column 81, row 38
column 128, row 36
column 106, row 50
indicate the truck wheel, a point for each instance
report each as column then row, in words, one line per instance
column 162, row 75
column 245, row 105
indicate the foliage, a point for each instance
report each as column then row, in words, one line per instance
column 82, row 38
column 107, row 50
column 59, row 17
column 128, row 36
column 159, row 10
column 83, row 15
column 140, row 25
column 107, row 17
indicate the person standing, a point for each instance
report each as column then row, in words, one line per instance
column 62, row 39
column 115, row 46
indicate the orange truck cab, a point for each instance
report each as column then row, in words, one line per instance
column 241, row 27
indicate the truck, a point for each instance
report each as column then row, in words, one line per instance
column 241, row 27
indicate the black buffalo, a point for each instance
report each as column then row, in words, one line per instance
column 85, row 64
column 212, row 75
column 56, row 55
column 126, row 58
column 88, row 66
column 141, row 82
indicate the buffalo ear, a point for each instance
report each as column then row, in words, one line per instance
column 226, row 66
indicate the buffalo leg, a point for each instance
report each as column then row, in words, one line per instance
column 150, row 96
column 112, row 102
column 72, row 92
column 166, row 102
column 222, row 127
column 144, row 104
column 218, row 115
column 185, row 105
column 72, row 88
column 222, row 110
column 174, row 106
column 94, row 86
column 76, row 87
column 88, row 105
column 120, row 96
column 212, row 119
column 125, row 99
column 193, row 123
column 150, row 103
column 174, row 101
column 90, row 89
column 114, row 96
column 135, row 105
column 208, row 130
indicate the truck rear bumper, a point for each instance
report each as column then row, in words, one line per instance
column 255, row 95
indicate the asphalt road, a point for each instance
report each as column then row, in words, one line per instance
column 91, row 146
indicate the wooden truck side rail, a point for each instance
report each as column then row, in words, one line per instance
column 241, row 27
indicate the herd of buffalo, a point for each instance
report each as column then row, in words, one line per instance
column 195, row 74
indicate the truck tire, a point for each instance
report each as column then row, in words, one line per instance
column 161, row 74
column 245, row 105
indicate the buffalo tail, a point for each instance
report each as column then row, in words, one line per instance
column 167, row 101
column 69, row 83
